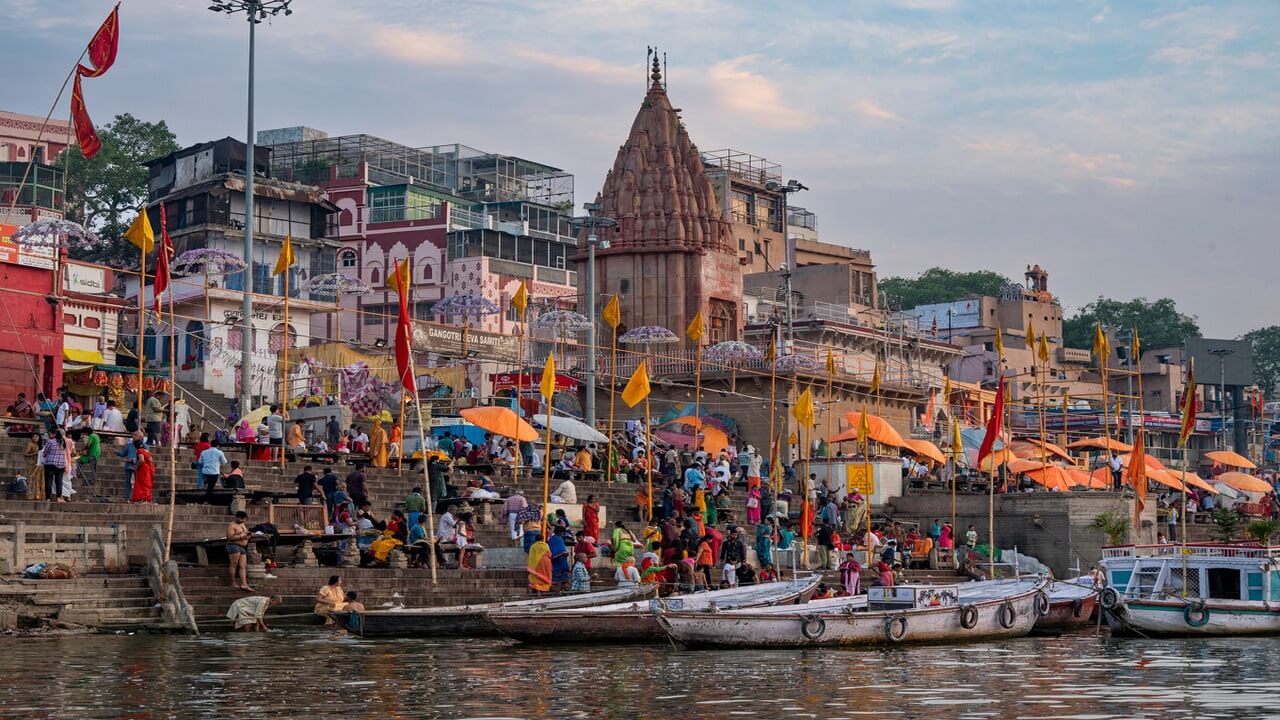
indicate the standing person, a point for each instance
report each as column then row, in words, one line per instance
column 329, row 487
column 201, row 445
column 211, row 461
column 378, row 445
column 356, row 485
column 415, row 504
column 971, row 538
column 512, row 509
column 704, row 559
column 55, row 465
column 764, row 542
column 154, row 411
column 591, row 518
column 1117, row 471
column 332, row 430
column 330, row 599
column 275, row 427
column 1172, row 523
column 826, row 546
column 238, row 552
column 297, row 441
column 581, row 581
column 753, row 505
column 732, row 550
column 112, row 420
column 395, row 446
column 560, row 568
column 851, row 574
column 144, row 475
column 308, row 486
column 34, row 452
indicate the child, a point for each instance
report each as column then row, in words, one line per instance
column 730, row 575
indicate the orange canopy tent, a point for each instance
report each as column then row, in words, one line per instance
column 1023, row 465
column 1193, row 480
column 1244, row 482
column 713, row 438
column 1100, row 443
column 1102, row 476
column 1232, row 459
column 1090, row 481
column 997, row 458
column 500, row 421
column 1029, row 448
column 880, row 430
column 1052, row 477
column 924, row 448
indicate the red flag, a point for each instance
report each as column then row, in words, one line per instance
column 85, row 134
column 162, row 260
column 103, row 46
column 404, row 334
column 993, row 425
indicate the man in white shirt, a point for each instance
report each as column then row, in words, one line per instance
column 567, row 493
column 112, row 419
column 444, row 530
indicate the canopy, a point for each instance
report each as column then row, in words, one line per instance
column 879, row 429
column 1052, row 477
column 255, row 416
column 1029, row 448
column 1100, row 443
column 1024, row 465
column 996, row 459
column 1092, row 482
column 571, row 428
column 714, row 439
column 1233, row 459
column 1192, row 479
column 500, row 420
column 83, row 357
column 1244, row 482
column 1155, row 474
column 924, row 448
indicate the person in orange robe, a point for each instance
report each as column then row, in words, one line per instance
column 144, row 475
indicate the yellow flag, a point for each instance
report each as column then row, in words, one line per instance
column 803, row 411
column 694, row 331
column 957, row 445
column 637, row 387
column 286, row 259
column 1101, row 347
column 1135, row 348
column 548, row 384
column 1188, row 404
column 520, row 300
column 864, row 425
column 611, row 315
column 946, row 390
column 400, row 277
column 771, row 352
column 1044, row 349
column 140, row 233
column 875, row 379
column 1031, row 335
column 831, row 362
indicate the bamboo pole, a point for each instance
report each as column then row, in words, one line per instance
column 870, row 480
column 774, row 460
column 648, row 453
column 613, row 394
column 831, row 406
column 173, row 428
column 697, row 393
column 422, row 450
column 1043, row 376
column 546, row 468
column 142, row 329
column 284, row 367
column 400, row 445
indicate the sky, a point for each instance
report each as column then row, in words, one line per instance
column 1130, row 147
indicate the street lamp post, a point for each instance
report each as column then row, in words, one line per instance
column 786, row 289
column 1222, row 353
column 592, row 222
column 785, row 191
column 255, row 12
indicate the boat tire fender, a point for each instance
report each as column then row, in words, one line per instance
column 813, row 627
column 1007, row 615
column 1042, row 604
column 1110, row 598
column 895, row 628
column 1077, row 608
column 968, row 617
column 1196, row 615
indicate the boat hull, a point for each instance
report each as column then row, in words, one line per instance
column 852, row 629
column 1173, row 618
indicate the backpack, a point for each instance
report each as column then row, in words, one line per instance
column 19, row 486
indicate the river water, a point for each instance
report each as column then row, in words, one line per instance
column 315, row 674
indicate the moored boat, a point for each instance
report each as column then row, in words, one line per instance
column 931, row 614
column 1072, row 604
column 635, row 621
column 472, row 620
column 1209, row 590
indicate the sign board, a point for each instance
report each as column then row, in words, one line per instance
column 949, row 316
column 1229, row 362
column 447, row 340
column 532, row 380
column 81, row 278
column 860, row 478
column 26, row 255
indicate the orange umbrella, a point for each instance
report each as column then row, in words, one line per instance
column 500, row 421
column 1244, row 482
column 1233, row 459
column 924, row 448
column 1151, row 462
column 1052, row 477
column 880, row 430
column 1029, row 448
column 1022, row 465
column 1194, row 480
column 713, row 438
column 1090, row 481
column 997, row 458
column 1100, row 443
column 1102, row 477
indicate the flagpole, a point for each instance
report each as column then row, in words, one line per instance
column 773, row 418
column 422, row 450
column 697, row 380
column 831, row 406
column 546, row 458
column 173, row 428
column 613, row 394
column 648, row 453
column 142, row 326
column 400, row 445
column 806, row 522
column 1043, row 376
column 284, row 359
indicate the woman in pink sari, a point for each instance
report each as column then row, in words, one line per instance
column 946, row 541
column 753, row 506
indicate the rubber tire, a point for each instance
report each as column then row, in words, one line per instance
column 1110, row 598
column 1197, row 608
column 1042, row 604
column 1007, row 615
column 968, row 611
column 814, row 621
column 901, row 621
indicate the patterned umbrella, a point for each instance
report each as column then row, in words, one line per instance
column 53, row 233
column 468, row 305
column 648, row 335
column 795, row 363
column 732, row 351
column 562, row 322
column 206, row 260
column 335, row 284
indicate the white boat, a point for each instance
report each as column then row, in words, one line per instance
column 1210, row 590
column 1071, row 602
column 904, row 614
column 635, row 621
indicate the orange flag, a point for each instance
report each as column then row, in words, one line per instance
column 1137, row 476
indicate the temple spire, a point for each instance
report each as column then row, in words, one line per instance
column 656, row 74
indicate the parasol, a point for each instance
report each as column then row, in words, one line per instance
column 1100, row 443
column 1030, row 448
column 56, row 233
column 1244, row 482
column 1193, row 480
column 795, row 363
column 879, row 429
column 500, row 421
column 924, row 448
column 731, row 351
column 335, row 284
column 648, row 335
column 1230, row 458
column 1052, row 477
column 469, row 306
column 562, row 322
column 571, row 428
column 206, row 260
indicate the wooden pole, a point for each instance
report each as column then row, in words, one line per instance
column 831, row 407
column 422, row 450
column 400, row 446
column 991, row 525
column 142, row 328
column 774, row 460
column 1043, row 376
column 697, row 393
column 284, row 367
column 546, row 468
column 648, row 453
column 613, row 394
column 866, row 469
column 173, row 427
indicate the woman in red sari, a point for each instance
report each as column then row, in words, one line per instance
column 591, row 518
column 144, row 475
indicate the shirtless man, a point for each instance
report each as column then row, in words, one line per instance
column 238, row 552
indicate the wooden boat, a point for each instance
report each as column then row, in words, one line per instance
column 1072, row 604
column 936, row 614
column 634, row 621
column 472, row 620
column 1211, row 590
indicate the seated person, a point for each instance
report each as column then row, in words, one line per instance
column 342, row 448
column 419, row 542
column 234, row 480
column 353, row 605
column 360, row 443
column 380, row 550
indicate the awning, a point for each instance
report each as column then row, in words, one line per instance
column 83, row 357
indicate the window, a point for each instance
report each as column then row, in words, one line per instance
column 347, row 258
column 262, row 278
column 294, row 281
column 373, row 314
column 91, row 322
column 742, row 207
column 69, row 319
column 742, row 244
column 426, row 270
column 375, row 276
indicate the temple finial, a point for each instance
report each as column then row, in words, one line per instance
column 656, row 75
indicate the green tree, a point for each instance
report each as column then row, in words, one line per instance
column 939, row 285
column 1159, row 323
column 106, row 192
column 1266, row 357
column 1114, row 524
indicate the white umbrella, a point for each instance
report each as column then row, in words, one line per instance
column 571, row 428
column 1230, row 492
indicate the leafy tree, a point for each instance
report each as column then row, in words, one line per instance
column 1159, row 323
column 1114, row 524
column 939, row 285
column 1266, row 357
column 1228, row 522
column 1263, row 530
column 106, row 192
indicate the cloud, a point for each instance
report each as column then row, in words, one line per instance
column 869, row 109
column 754, row 97
column 1102, row 15
column 421, row 47
column 592, row 68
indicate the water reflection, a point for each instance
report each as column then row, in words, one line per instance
column 318, row 675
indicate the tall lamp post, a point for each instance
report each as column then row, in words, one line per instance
column 785, row 191
column 255, row 12
column 592, row 221
column 1222, row 353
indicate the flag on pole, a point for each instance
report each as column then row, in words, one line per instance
column 404, row 330
column 694, row 331
column 401, row 277
column 875, row 379
column 803, row 411
column 946, row 389
column 86, row 136
column 637, row 388
column 999, row 345
column 1101, row 346
column 831, row 362
column 993, row 424
column 611, row 315
column 285, row 259
column 1188, row 405
column 1044, row 349
column 103, row 46
column 163, row 257
column 1031, row 335
column 140, row 233
column 548, row 384
column 771, row 352
column 930, row 411
column 520, row 300
column 1135, row 348
column 864, row 425
column 1137, row 476
column 957, row 444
